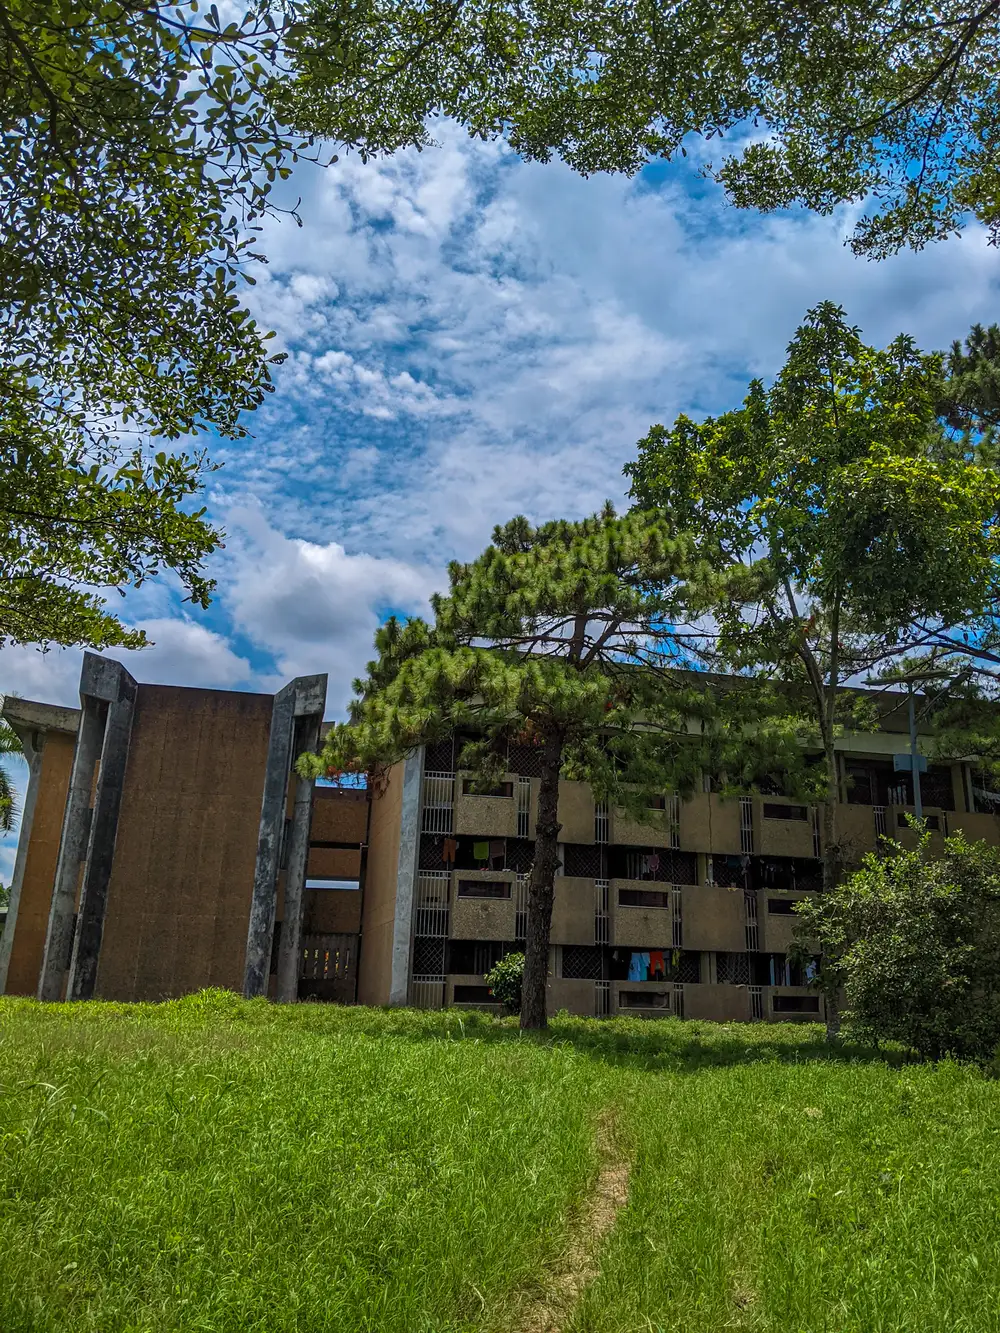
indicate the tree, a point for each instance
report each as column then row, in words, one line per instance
column 918, row 939
column 835, row 520
column 137, row 154
column 10, row 743
column 559, row 636
column 857, row 100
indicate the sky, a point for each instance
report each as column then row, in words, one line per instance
column 470, row 337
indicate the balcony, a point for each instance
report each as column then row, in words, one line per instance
column 475, row 917
column 488, row 816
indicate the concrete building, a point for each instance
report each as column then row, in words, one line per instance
column 167, row 845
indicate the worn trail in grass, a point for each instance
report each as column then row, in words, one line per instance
column 210, row 1164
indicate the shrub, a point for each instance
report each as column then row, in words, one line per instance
column 917, row 944
column 505, row 981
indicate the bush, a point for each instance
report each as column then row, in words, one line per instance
column 505, row 981
column 917, row 944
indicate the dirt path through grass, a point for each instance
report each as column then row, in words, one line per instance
column 551, row 1311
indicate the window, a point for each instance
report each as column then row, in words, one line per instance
column 484, row 888
column 475, row 957
column 501, row 789
column 796, row 1004
column 642, row 898
column 732, row 969
column 474, row 995
column 932, row 821
column 772, row 811
column 644, row 999
column 582, row 962
column 656, row 803
column 781, row 906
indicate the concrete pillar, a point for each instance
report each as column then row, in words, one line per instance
column 72, row 849
column 406, row 878
column 101, row 849
column 306, row 738
column 32, row 744
column 303, row 697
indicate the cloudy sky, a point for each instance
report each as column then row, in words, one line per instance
column 471, row 337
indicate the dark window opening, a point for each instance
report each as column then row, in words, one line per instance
column 771, row 784
column 584, row 861
column 781, row 906
column 484, row 888
column 475, row 957
column 732, row 969
column 439, row 756
column 444, row 851
column 876, row 782
column 795, row 873
column 642, row 898
column 469, row 785
column 680, row 965
column 772, row 811
column 795, row 1004
column 465, row 994
column 583, row 962
column 656, row 803
column 932, row 821
column 641, row 999
column 428, row 957
column 658, row 864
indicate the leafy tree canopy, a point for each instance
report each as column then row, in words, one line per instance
column 135, row 161
column 833, row 102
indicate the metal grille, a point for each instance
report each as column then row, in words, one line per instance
column 677, row 899
column 439, row 756
column 757, row 1002
column 674, row 819
column 602, row 911
column 523, row 807
column 817, row 840
column 879, row 813
column 427, row 992
column 433, row 892
column 583, row 860
column 582, row 962
column 678, row 1001
column 428, row 957
column 753, row 929
column 520, row 855
column 602, row 830
column 733, row 969
column 602, row 999
column 746, row 825
column 325, row 957
column 525, row 760
column 658, row 865
column 521, row 887
column 439, row 802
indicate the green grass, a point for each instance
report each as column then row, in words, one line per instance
column 211, row 1164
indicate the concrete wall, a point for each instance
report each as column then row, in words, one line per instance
column 482, row 918
column 776, row 929
column 576, row 811
column 710, row 824
column 331, row 911
column 637, row 833
column 985, row 828
column 487, row 816
column 40, row 865
column 179, row 896
column 576, row 996
column 856, row 829
column 714, row 919
column 782, row 837
column 333, row 863
column 723, row 1004
column 573, row 910
column 375, row 960
column 339, row 815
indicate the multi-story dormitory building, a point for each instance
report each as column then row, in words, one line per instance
column 164, row 833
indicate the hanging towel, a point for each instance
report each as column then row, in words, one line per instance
column 675, row 958
column 480, row 851
column 498, row 850
column 657, row 967
column 772, row 969
column 636, row 971
column 644, row 965
column 448, row 851
column 654, row 864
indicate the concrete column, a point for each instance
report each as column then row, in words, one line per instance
column 303, row 697
column 32, row 744
column 406, row 878
column 72, row 849
column 101, row 848
column 306, row 738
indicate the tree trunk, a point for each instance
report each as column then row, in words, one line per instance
column 540, row 895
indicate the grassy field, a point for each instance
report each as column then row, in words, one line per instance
column 216, row 1165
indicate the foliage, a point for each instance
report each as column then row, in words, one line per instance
column 837, row 518
column 505, row 981
column 855, row 101
column 136, row 158
column 918, row 942
column 440, row 1159
column 10, row 743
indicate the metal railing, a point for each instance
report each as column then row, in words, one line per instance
column 602, row 911
column 757, row 1002
column 524, row 807
column 746, row 825
column 677, row 901
column 602, row 823
column 752, row 924
column 438, row 803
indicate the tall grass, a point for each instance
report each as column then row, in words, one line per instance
column 211, row 1164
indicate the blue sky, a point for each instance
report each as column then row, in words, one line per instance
column 472, row 337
